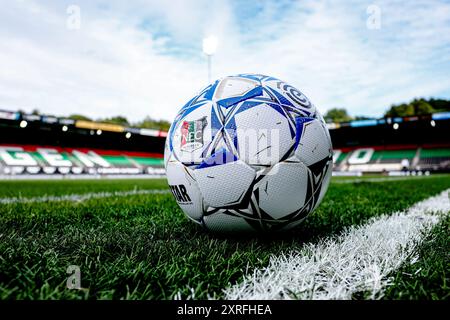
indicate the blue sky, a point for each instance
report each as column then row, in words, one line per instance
column 141, row 58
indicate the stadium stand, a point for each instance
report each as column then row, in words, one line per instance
column 410, row 144
column 39, row 145
column 434, row 158
column 50, row 159
column 32, row 145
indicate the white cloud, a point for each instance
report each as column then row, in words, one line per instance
column 103, row 69
column 126, row 57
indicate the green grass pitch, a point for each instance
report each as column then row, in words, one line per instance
column 141, row 246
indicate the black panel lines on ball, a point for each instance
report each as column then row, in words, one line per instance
column 211, row 211
column 289, row 153
column 317, row 168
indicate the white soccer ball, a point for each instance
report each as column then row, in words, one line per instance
column 249, row 152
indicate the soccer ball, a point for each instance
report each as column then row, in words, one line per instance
column 248, row 153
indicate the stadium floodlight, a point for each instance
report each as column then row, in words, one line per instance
column 209, row 48
column 65, row 128
column 433, row 123
column 99, row 132
column 23, row 124
column 210, row 45
column 395, row 126
column 128, row 135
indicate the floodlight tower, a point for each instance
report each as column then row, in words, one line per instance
column 209, row 48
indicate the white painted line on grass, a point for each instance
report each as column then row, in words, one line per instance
column 358, row 260
column 384, row 179
column 81, row 197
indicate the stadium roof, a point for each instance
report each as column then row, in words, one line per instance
column 82, row 124
column 388, row 120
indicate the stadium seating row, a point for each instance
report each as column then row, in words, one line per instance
column 379, row 160
column 29, row 159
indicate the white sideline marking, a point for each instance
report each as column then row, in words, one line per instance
column 81, row 197
column 379, row 179
column 360, row 259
